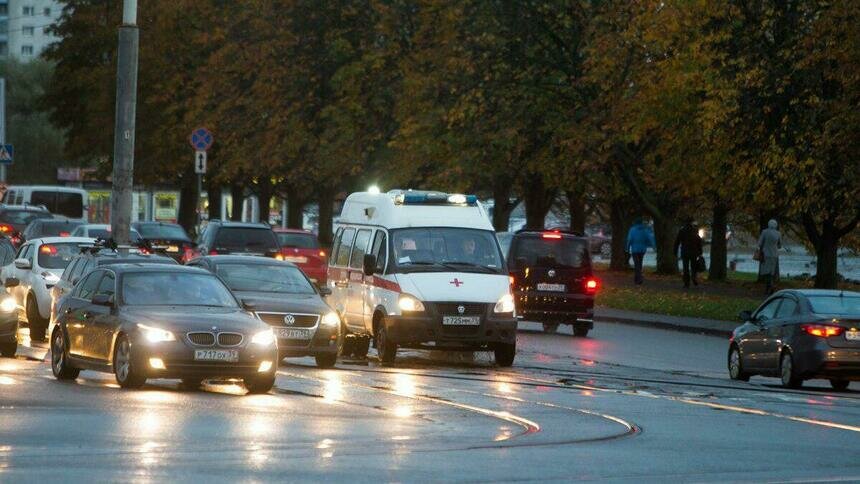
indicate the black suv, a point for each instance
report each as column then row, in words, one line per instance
column 552, row 279
column 238, row 238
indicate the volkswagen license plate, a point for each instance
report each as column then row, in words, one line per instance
column 544, row 286
column 291, row 333
column 461, row 320
column 216, row 355
column 852, row 335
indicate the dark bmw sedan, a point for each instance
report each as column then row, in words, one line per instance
column 142, row 321
column 281, row 295
column 799, row 335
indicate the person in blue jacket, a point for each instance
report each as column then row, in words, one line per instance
column 639, row 239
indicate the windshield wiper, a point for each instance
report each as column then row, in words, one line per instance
column 470, row 265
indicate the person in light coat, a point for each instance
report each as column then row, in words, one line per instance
column 769, row 243
column 639, row 238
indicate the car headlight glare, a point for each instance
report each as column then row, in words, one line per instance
column 331, row 320
column 264, row 338
column 156, row 335
column 410, row 304
column 8, row 305
column 505, row 304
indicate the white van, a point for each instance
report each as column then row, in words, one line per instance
column 72, row 203
column 419, row 269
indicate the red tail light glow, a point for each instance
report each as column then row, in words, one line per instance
column 322, row 253
column 822, row 330
column 213, row 252
column 551, row 235
column 512, row 280
column 591, row 285
column 6, row 228
column 48, row 249
column 64, row 234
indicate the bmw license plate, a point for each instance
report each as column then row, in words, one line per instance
column 852, row 335
column 461, row 320
column 290, row 333
column 544, row 286
column 216, row 355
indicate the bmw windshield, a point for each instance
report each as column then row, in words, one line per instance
column 175, row 289
column 446, row 249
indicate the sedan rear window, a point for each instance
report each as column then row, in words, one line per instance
column 57, row 256
column 559, row 252
column 299, row 241
column 242, row 238
column 175, row 289
column 22, row 216
column 159, row 231
column 53, row 229
column 835, row 305
column 265, row 278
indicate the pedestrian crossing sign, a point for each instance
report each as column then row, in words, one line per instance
column 6, row 153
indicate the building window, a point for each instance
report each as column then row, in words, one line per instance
column 29, row 11
column 47, row 11
column 26, row 50
column 28, row 30
column 4, row 9
column 4, row 49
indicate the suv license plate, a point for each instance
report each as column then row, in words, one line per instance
column 289, row 333
column 543, row 286
column 461, row 320
column 852, row 335
column 216, row 355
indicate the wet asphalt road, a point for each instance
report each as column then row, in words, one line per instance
column 625, row 404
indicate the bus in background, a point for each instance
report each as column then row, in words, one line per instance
column 72, row 203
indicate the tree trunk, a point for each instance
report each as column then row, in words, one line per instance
column 237, row 197
column 326, row 215
column 213, row 190
column 188, row 203
column 826, row 254
column 502, row 207
column 295, row 208
column 538, row 199
column 719, row 252
column 265, row 198
column 576, row 202
column 664, row 235
column 620, row 226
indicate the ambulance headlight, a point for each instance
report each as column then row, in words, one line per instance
column 505, row 304
column 409, row 303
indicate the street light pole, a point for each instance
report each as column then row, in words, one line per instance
column 126, row 106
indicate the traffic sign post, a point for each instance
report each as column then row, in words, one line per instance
column 7, row 153
column 201, row 140
column 200, row 162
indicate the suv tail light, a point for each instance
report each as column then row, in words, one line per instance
column 551, row 235
column 822, row 330
column 591, row 285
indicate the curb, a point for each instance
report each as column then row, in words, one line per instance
column 663, row 325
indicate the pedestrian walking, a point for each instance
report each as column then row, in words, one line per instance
column 639, row 239
column 688, row 246
column 769, row 243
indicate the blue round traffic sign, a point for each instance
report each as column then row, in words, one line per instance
column 201, row 139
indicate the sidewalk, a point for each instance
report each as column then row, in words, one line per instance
column 689, row 325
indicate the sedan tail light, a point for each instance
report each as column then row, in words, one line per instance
column 822, row 330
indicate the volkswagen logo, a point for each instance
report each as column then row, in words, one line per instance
column 289, row 320
column 461, row 309
column 551, row 273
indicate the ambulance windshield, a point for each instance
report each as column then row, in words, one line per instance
column 446, row 249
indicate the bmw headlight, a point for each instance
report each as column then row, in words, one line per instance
column 409, row 303
column 505, row 304
column 156, row 335
column 264, row 338
column 8, row 305
column 331, row 320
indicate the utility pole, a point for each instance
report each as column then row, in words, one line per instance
column 126, row 107
column 2, row 123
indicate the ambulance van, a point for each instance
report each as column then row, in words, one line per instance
column 421, row 269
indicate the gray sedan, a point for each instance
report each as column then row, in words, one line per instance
column 799, row 335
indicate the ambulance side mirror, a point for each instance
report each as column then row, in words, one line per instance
column 369, row 264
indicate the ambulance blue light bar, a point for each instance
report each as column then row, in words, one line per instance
column 434, row 198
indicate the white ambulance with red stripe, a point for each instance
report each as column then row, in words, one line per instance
column 421, row 269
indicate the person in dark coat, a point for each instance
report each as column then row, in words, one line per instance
column 688, row 246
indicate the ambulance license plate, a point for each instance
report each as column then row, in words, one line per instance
column 461, row 320
column 544, row 286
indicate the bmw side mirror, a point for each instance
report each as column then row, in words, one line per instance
column 745, row 315
column 12, row 282
column 369, row 264
column 325, row 291
column 102, row 300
